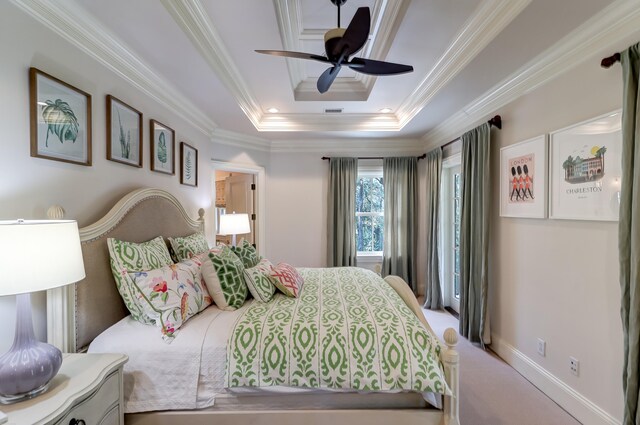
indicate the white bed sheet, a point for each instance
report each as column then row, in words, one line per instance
column 189, row 373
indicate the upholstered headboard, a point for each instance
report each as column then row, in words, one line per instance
column 78, row 313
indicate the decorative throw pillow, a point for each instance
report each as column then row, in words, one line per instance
column 259, row 281
column 127, row 257
column 247, row 254
column 222, row 272
column 287, row 279
column 172, row 294
column 188, row 246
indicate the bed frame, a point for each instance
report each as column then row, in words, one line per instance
column 76, row 314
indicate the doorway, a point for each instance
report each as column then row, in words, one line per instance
column 235, row 193
column 240, row 188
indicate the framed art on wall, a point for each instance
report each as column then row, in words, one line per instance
column 523, row 179
column 60, row 119
column 188, row 165
column 162, row 148
column 586, row 169
column 124, row 133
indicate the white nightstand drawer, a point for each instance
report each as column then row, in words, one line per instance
column 96, row 409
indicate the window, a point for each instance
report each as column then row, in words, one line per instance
column 369, row 211
column 450, row 202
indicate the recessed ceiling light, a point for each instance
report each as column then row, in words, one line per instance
column 273, row 110
column 385, row 110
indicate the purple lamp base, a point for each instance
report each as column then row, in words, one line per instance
column 28, row 367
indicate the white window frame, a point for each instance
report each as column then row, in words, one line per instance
column 449, row 166
column 369, row 171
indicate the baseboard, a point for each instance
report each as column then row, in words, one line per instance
column 569, row 399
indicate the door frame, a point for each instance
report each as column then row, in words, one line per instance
column 260, row 202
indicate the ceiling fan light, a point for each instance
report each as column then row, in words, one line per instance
column 334, row 33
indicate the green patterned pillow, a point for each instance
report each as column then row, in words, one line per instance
column 129, row 257
column 188, row 246
column 261, row 285
column 247, row 254
column 170, row 295
column 222, row 272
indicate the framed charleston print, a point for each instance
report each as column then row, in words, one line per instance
column 60, row 119
column 124, row 133
column 188, row 165
column 523, row 179
column 162, row 148
column 585, row 173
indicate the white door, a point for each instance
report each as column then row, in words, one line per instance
column 451, row 208
column 239, row 192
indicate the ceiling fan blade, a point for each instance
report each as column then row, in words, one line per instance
column 373, row 67
column 297, row 55
column 326, row 79
column 355, row 35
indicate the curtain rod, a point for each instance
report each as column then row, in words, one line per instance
column 423, row 156
column 495, row 121
column 609, row 61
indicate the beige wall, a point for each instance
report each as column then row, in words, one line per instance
column 558, row 279
column 30, row 185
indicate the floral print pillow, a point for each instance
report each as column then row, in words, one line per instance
column 172, row 294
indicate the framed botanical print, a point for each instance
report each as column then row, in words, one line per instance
column 188, row 165
column 523, row 179
column 586, row 169
column 124, row 133
column 60, row 119
column 162, row 148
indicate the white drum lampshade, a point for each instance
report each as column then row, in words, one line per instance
column 35, row 255
column 234, row 224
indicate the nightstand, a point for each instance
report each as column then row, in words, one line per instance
column 87, row 388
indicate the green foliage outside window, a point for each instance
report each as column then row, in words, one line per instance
column 369, row 214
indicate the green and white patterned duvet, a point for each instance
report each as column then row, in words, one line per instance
column 347, row 330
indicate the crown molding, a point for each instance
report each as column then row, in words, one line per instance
column 191, row 16
column 353, row 146
column 329, row 122
column 231, row 138
column 616, row 23
column 82, row 30
column 386, row 17
column 488, row 20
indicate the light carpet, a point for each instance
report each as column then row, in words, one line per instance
column 491, row 391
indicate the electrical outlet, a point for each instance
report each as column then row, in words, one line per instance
column 542, row 347
column 574, row 364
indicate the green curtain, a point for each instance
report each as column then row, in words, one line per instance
column 400, row 180
column 433, row 292
column 629, row 233
column 341, row 217
column 474, row 235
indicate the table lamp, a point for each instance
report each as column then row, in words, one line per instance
column 34, row 256
column 234, row 224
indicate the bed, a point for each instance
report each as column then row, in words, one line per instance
column 86, row 314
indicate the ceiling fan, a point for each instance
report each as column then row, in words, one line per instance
column 340, row 44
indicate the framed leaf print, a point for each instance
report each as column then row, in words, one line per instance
column 60, row 119
column 188, row 165
column 124, row 133
column 162, row 148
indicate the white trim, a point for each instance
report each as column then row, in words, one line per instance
column 82, row 30
column 487, row 21
column 617, row 22
column 354, row 146
column 194, row 21
column 261, row 240
column 231, row 138
column 572, row 401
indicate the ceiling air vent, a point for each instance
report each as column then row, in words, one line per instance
column 333, row 111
